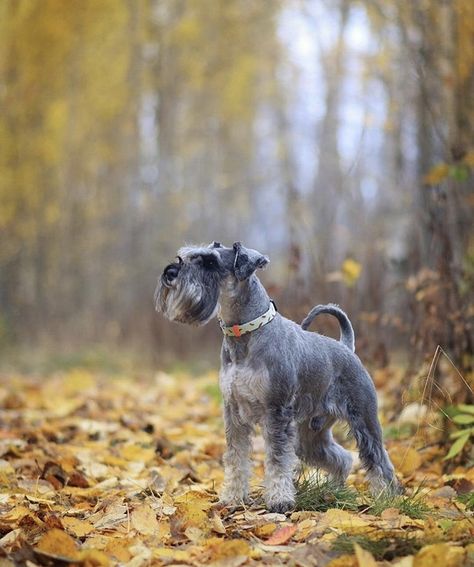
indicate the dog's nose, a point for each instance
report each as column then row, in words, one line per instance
column 170, row 273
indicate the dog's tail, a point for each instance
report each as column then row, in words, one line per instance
column 347, row 332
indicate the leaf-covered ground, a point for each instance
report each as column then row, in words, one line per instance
column 115, row 471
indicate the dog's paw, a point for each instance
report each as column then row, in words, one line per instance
column 234, row 501
column 281, row 507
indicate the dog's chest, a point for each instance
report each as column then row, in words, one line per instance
column 246, row 387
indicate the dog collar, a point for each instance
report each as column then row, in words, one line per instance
column 239, row 330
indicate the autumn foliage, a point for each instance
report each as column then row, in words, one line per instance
column 101, row 471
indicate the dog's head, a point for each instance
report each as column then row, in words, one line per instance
column 189, row 288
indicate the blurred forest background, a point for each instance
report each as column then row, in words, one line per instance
column 337, row 136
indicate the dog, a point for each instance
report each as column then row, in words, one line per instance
column 294, row 383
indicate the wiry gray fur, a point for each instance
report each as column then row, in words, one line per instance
column 294, row 383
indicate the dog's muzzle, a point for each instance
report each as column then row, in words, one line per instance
column 170, row 273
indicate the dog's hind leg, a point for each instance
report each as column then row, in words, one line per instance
column 366, row 429
column 317, row 448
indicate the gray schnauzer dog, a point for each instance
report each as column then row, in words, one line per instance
column 296, row 384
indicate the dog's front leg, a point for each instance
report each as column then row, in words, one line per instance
column 237, row 463
column 280, row 458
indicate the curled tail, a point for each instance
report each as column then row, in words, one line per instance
column 347, row 332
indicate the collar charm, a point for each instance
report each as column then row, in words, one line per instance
column 239, row 330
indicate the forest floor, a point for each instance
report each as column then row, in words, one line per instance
column 98, row 471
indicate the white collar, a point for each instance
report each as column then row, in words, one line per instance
column 239, row 330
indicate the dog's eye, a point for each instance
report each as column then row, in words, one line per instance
column 209, row 262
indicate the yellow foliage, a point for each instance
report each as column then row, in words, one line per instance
column 437, row 174
column 151, row 513
column 351, row 270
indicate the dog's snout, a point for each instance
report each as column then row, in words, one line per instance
column 170, row 273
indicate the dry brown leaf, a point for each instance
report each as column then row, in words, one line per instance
column 217, row 525
column 143, row 519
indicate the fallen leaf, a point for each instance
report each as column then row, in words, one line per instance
column 364, row 557
column 78, row 528
column 265, row 530
column 342, row 519
column 282, row 535
column 58, row 544
column 405, row 459
column 405, row 562
column 192, row 508
column 93, row 558
column 441, row 554
column 143, row 519
column 138, row 453
column 217, row 524
column 221, row 549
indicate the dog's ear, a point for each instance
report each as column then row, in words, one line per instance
column 215, row 244
column 247, row 261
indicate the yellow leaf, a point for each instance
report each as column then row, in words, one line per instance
column 143, row 519
column 222, row 548
column 192, row 508
column 364, row 557
column 406, row 460
column 351, row 270
column 57, row 543
column 404, row 562
column 439, row 554
column 469, row 159
column 265, row 530
column 138, row 453
column 180, row 555
column 341, row 519
column 305, row 528
column 436, row 174
column 16, row 514
column 344, row 561
column 78, row 528
column 93, row 558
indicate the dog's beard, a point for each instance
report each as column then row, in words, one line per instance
column 191, row 298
